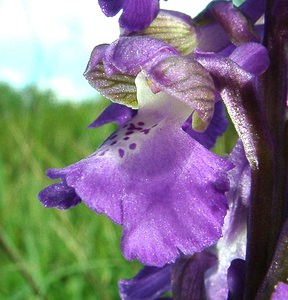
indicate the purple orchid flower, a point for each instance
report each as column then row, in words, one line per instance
column 143, row 160
column 183, row 209
column 136, row 14
column 146, row 176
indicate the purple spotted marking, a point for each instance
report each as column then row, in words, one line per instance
column 121, row 152
column 141, row 123
column 132, row 146
column 126, row 138
column 129, row 132
column 146, row 131
column 113, row 143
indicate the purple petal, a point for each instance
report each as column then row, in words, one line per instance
column 216, row 128
column 186, row 80
column 138, row 14
column 148, row 284
column 59, row 195
column 233, row 243
column 188, row 276
column 281, row 292
column 116, row 113
column 96, row 57
column 237, row 89
column 211, row 37
column 110, row 7
column 252, row 57
column 233, row 22
column 130, row 54
column 253, row 9
column 170, row 183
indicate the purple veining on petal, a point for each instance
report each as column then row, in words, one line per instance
column 188, row 82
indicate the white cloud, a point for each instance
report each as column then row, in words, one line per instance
column 49, row 42
column 13, row 76
column 189, row 7
column 66, row 89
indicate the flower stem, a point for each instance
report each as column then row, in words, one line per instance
column 269, row 208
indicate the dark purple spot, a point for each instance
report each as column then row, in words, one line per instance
column 126, row 138
column 113, row 143
column 125, row 125
column 129, row 132
column 146, row 131
column 121, row 152
column 132, row 146
column 154, row 125
column 141, row 123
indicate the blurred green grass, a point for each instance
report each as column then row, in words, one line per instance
column 47, row 253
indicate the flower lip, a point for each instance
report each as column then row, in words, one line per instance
column 158, row 183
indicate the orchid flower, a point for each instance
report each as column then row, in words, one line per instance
column 143, row 160
column 183, row 209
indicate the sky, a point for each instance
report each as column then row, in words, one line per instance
column 48, row 43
